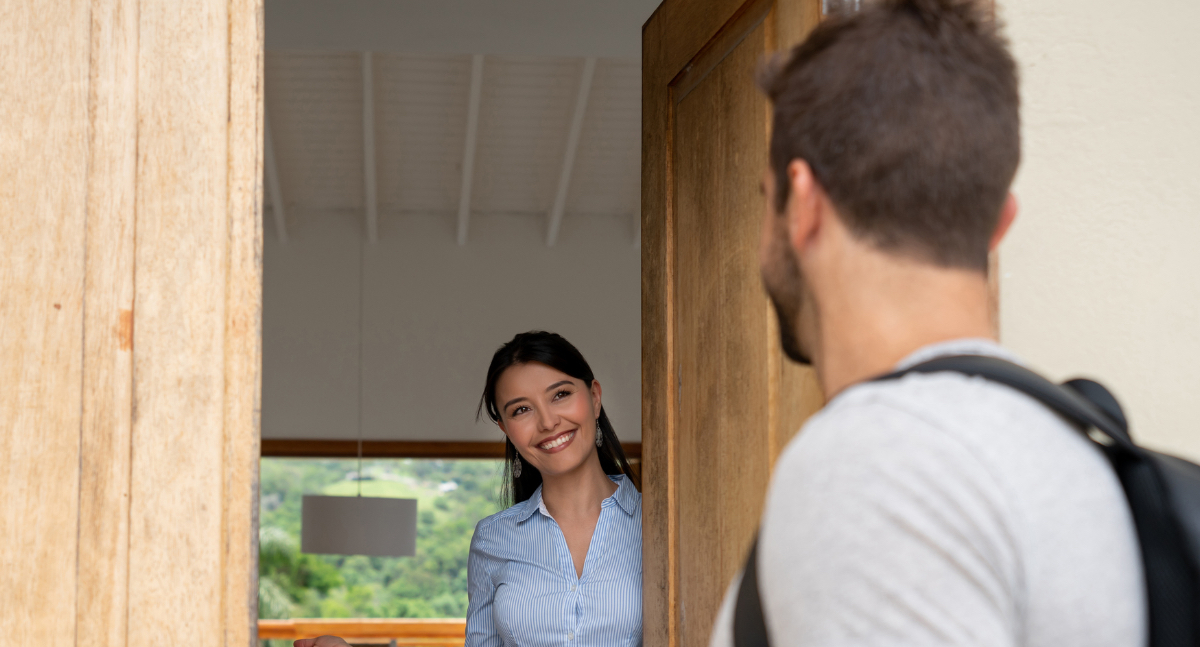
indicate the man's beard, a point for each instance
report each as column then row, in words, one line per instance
column 785, row 286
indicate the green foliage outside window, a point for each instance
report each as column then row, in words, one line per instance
column 452, row 497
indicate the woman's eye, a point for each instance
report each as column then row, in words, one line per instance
column 561, row 394
column 519, row 410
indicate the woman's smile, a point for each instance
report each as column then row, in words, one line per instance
column 557, row 443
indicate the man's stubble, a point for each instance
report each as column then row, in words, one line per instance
column 789, row 295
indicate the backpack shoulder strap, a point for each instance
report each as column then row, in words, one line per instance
column 1066, row 401
column 749, row 623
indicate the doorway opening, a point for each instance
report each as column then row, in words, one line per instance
column 437, row 178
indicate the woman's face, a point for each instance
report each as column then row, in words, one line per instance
column 549, row 416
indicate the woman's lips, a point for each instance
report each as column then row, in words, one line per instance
column 556, row 444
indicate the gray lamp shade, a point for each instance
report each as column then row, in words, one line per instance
column 357, row 525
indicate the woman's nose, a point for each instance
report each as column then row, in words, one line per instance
column 547, row 419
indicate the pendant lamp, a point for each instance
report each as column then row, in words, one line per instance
column 359, row 525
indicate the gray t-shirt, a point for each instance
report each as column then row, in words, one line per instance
column 945, row 510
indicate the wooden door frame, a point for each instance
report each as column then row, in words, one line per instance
column 681, row 40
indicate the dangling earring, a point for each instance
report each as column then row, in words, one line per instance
column 599, row 435
column 517, row 466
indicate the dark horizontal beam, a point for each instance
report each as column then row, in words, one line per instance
column 303, row 448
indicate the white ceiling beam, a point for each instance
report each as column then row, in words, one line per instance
column 273, row 181
column 370, row 199
column 564, row 175
column 468, row 165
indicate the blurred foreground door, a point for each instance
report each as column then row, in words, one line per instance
column 130, row 274
column 719, row 400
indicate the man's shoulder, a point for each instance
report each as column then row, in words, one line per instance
column 917, row 411
column 956, row 490
column 877, row 439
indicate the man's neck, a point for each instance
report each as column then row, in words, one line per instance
column 894, row 309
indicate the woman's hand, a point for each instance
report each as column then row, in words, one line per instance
column 322, row 641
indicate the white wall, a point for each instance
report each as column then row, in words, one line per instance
column 1101, row 274
column 435, row 312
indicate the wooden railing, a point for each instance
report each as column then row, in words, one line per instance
column 436, row 632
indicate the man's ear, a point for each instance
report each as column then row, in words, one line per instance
column 803, row 208
column 1008, row 213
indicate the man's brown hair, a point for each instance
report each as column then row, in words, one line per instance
column 908, row 114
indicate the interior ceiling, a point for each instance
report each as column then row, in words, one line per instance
column 404, row 251
column 556, row 128
column 421, row 104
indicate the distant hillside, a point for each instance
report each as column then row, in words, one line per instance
column 452, row 497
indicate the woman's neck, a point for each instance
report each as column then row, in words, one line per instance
column 577, row 493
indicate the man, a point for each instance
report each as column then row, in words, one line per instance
column 933, row 509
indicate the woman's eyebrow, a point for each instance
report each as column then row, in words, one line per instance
column 549, row 388
column 557, row 384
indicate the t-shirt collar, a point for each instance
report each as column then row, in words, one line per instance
column 962, row 346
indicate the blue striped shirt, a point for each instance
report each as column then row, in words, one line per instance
column 522, row 585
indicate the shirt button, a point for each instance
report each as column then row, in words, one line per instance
column 570, row 635
column 574, row 586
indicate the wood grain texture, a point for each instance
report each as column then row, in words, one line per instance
column 243, row 322
column 177, row 493
column 437, row 631
column 722, row 324
column 108, row 328
column 792, row 23
column 43, row 200
column 718, row 400
column 130, row 268
column 659, row 608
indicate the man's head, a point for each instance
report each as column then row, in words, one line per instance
column 902, row 123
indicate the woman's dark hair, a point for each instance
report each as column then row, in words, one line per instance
column 552, row 350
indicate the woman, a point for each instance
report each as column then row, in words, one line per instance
column 565, row 560
column 563, row 564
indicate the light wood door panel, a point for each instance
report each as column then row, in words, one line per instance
column 719, row 401
column 130, row 279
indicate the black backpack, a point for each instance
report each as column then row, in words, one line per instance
column 1163, row 493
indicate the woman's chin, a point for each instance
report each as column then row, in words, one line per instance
column 563, row 462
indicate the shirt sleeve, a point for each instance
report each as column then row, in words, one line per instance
column 881, row 529
column 481, row 594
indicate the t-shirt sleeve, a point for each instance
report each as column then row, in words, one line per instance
column 882, row 529
column 481, row 592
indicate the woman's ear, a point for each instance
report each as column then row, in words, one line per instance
column 596, row 397
column 500, row 424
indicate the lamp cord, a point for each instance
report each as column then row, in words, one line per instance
column 361, row 271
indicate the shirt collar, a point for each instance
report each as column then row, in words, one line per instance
column 625, row 497
column 531, row 505
column 962, row 346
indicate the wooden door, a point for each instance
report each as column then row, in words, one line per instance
column 130, row 274
column 719, row 400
